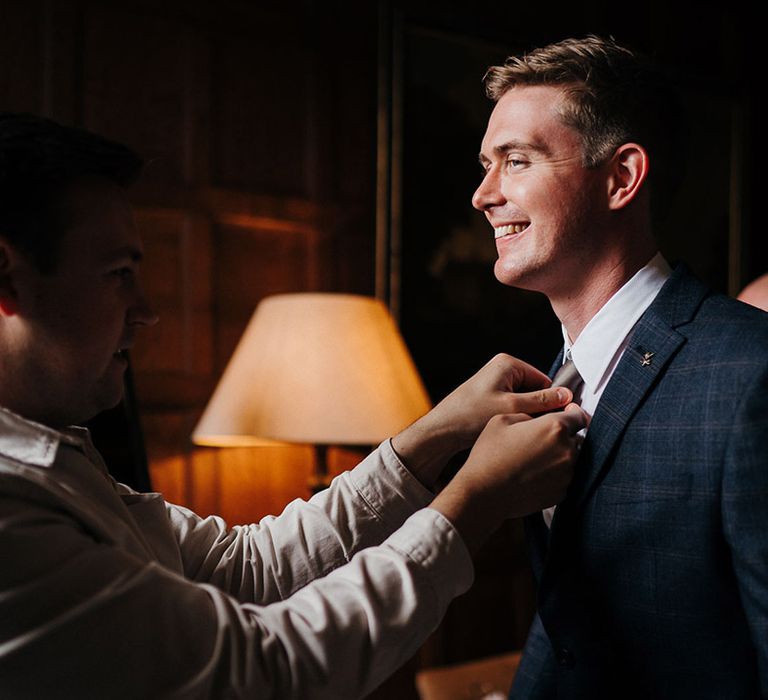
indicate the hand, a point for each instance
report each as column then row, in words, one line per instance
column 518, row 465
column 454, row 424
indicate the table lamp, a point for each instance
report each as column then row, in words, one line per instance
column 319, row 369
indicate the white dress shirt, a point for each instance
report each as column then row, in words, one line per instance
column 602, row 342
column 109, row 593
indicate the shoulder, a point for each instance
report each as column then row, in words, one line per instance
column 702, row 316
column 730, row 327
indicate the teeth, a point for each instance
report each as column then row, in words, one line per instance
column 500, row 231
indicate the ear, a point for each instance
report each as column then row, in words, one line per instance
column 9, row 298
column 628, row 170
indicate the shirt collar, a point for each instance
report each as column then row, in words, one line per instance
column 25, row 441
column 596, row 348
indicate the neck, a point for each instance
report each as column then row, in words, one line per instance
column 576, row 306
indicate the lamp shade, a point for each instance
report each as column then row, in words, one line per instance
column 326, row 369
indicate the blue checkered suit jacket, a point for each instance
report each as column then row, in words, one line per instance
column 653, row 581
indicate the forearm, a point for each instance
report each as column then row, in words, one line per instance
column 268, row 561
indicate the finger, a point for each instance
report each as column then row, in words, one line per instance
column 574, row 418
column 521, row 375
column 540, row 401
column 576, row 407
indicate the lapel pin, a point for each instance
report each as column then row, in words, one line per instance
column 647, row 358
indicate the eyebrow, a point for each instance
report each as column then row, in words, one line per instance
column 524, row 146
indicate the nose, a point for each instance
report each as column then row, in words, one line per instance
column 142, row 313
column 489, row 193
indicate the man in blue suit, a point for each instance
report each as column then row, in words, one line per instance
column 653, row 573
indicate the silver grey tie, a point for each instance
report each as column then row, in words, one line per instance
column 569, row 377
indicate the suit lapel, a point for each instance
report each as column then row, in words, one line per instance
column 650, row 350
column 653, row 344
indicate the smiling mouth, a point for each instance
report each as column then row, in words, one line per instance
column 510, row 229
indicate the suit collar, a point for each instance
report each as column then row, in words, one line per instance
column 679, row 299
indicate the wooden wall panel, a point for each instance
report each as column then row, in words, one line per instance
column 169, row 477
column 261, row 481
column 259, row 116
column 243, row 484
column 22, row 53
column 250, row 264
column 136, row 78
column 163, row 346
column 177, row 280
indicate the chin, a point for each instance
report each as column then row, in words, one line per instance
column 112, row 401
column 105, row 400
column 531, row 277
column 509, row 275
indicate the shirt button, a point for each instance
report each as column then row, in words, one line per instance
column 565, row 657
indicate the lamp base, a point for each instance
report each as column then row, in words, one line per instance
column 320, row 478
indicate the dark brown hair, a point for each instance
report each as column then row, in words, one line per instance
column 39, row 160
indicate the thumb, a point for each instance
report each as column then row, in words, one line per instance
column 541, row 401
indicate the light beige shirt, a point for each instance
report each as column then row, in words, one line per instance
column 108, row 593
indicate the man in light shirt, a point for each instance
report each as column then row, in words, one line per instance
column 107, row 593
column 653, row 573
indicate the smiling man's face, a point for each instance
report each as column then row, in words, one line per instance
column 547, row 210
column 73, row 326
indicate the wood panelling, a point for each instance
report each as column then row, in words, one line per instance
column 260, row 93
column 21, row 56
column 137, row 70
column 177, row 281
column 251, row 264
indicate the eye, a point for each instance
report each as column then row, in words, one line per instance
column 516, row 163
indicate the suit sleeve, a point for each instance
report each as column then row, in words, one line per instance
column 745, row 512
